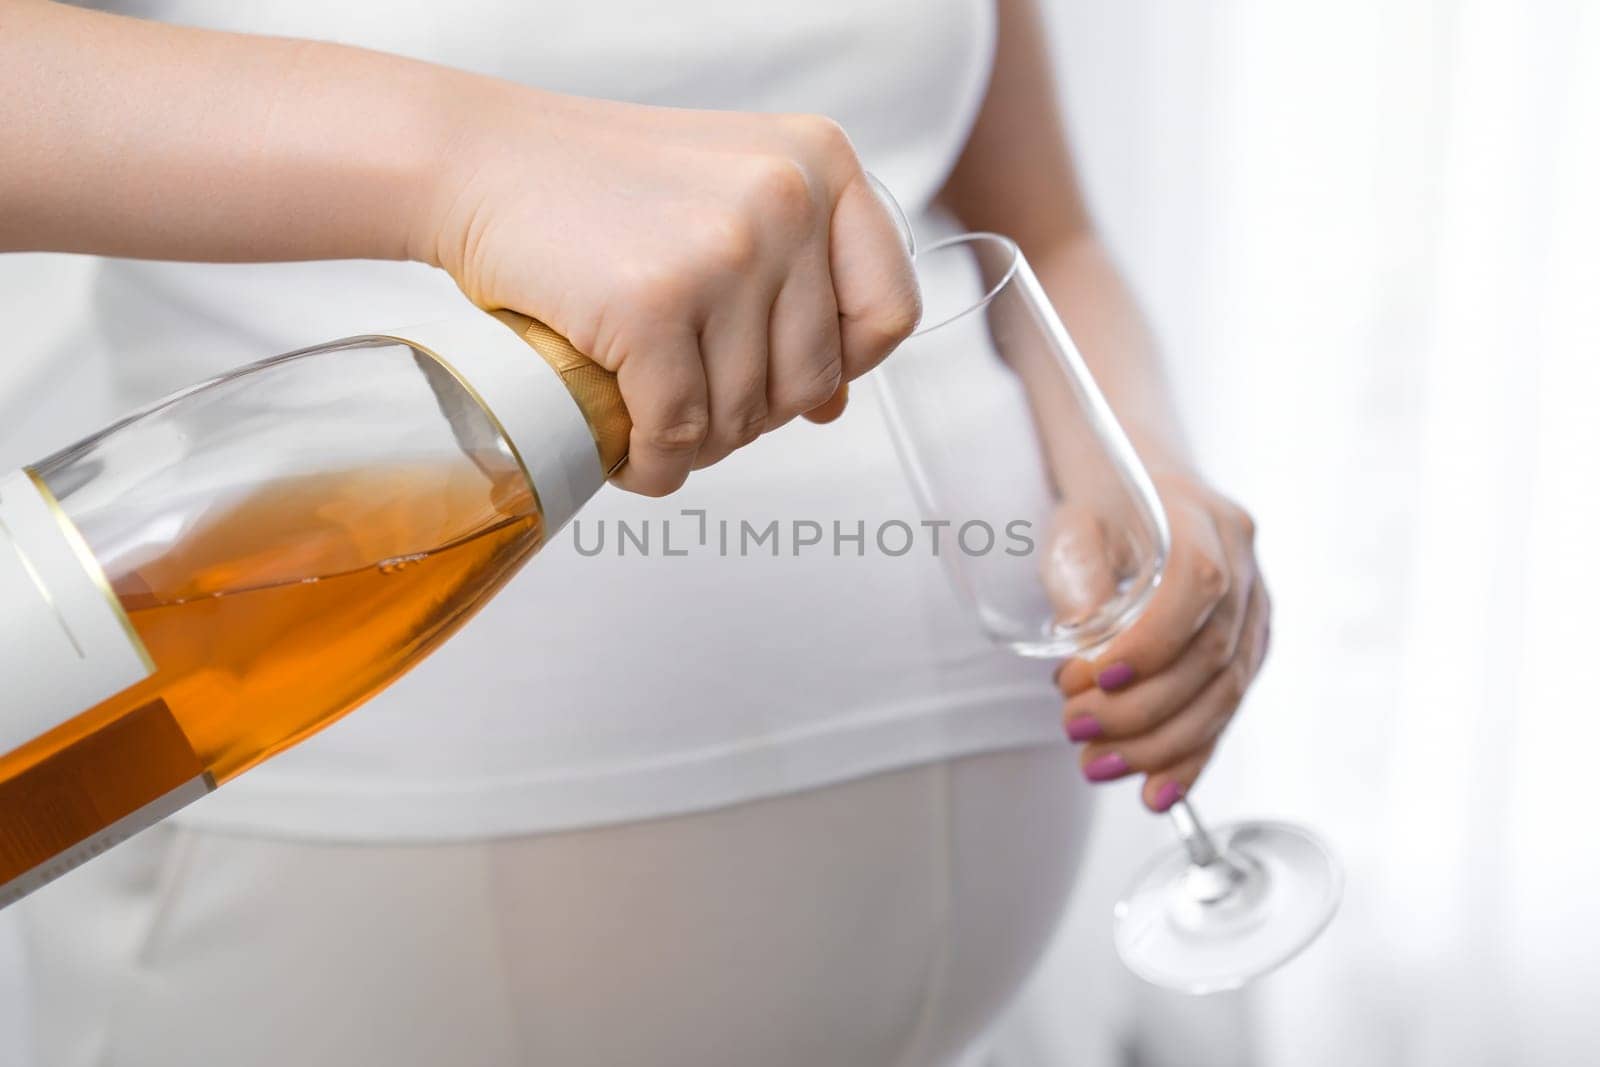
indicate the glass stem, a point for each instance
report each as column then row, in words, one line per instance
column 1202, row 850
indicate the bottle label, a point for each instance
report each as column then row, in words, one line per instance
column 529, row 404
column 118, row 832
column 92, row 794
column 65, row 642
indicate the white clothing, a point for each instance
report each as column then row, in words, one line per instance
column 880, row 923
column 395, row 890
column 599, row 690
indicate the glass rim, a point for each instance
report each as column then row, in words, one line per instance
column 973, row 238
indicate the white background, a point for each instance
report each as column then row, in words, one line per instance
column 1366, row 235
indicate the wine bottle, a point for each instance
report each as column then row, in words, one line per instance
column 218, row 576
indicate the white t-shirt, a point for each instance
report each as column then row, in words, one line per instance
column 600, row 688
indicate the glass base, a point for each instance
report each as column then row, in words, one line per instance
column 1083, row 638
column 1209, row 929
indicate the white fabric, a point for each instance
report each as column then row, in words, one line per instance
column 880, row 923
column 603, row 689
column 1273, row 178
column 1367, row 233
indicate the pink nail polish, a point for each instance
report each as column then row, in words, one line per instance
column 1105, row 768
column 1115, row 677
column 1084, row 728
column 1168, row 795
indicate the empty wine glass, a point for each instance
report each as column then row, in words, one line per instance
column 1231, row 904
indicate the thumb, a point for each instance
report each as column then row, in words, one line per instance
column 874, row 284
column 1078, row 566
column 832, row 407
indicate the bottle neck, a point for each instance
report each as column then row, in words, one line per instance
column 592, row 386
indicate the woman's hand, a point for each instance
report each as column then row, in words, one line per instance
column 734, row 270
column 1158, row 697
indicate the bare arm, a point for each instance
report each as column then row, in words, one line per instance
column 1157, row 698
column 1017, row 177
column 131, row 138
column 734, row 270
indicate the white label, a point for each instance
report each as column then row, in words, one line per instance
column 112, row 835
column 541, row 420
column 65, row 642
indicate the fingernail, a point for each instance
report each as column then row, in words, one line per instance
column 1115, row 677
column 1083, row 728
column 1168, row 795
column 1105, row 768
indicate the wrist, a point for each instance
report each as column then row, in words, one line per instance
column 1163, row 456
column 445, row 114
column 471, row 122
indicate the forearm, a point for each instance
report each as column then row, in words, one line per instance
column 1111, row 333
column 130, row 138
column 1016, row 177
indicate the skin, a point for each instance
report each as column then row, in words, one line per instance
column 1199, row 644
column 733, row 269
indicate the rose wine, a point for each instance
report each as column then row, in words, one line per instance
column 219, row 577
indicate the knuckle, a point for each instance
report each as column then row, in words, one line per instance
column 1235, row 680
column 682, row 433
column 1211, row 579
column 821, row 381
column 732, row 244
column 779, row 187
column 900, row 316
column 1148, row 716
column 806, row 383
column 1247, row 525
column 878, row 332
column 824, row 136
column 1220, row 722
column 748, row 432
column 746, row 426
column 1216, row 648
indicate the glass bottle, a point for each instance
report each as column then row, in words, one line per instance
column 212, row 579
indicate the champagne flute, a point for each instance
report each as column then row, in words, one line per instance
column 1229, row 904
